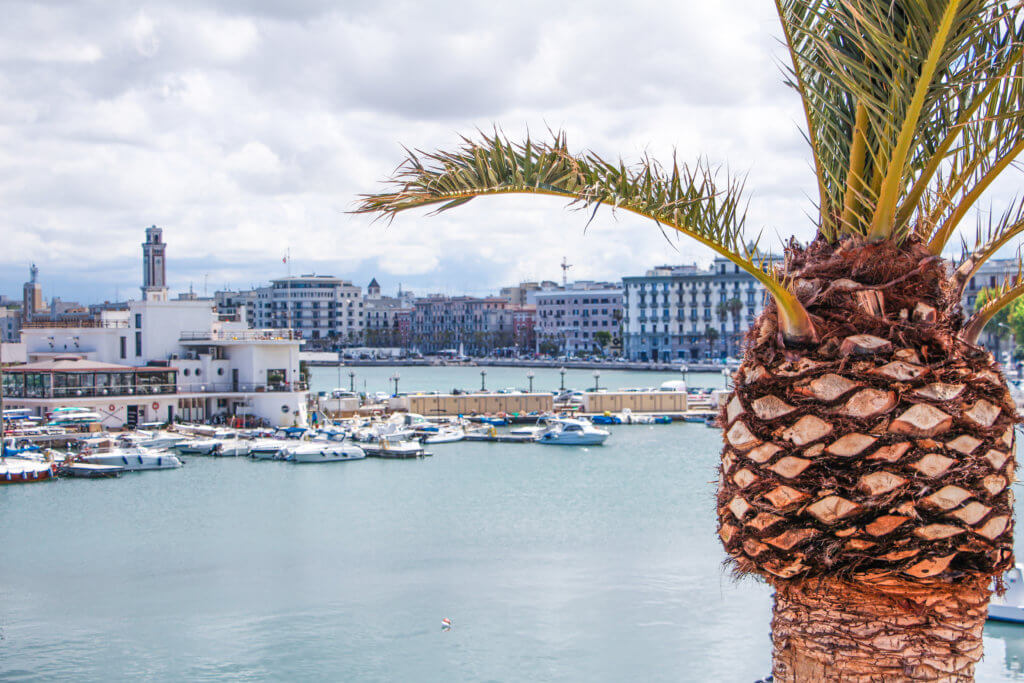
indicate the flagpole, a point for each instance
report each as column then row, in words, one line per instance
column 288, row 286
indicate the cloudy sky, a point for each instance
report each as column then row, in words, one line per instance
column 245, row 129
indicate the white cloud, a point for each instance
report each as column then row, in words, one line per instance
column 248, row 127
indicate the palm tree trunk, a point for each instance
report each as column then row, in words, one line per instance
column 887, row 629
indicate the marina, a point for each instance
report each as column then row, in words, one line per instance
column 616, row 529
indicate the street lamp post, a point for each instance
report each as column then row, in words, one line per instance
column 3, row 452
column 529, row 376
column 483, row 380
column 352, row 381
column 562, row 373
column 394, row 378
column 597, row 379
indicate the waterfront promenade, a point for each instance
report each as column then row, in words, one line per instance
column 531, row 363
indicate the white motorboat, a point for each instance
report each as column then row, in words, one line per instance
column 134, row 459
column 527, row 430
column 152, row 440
column 321, row 451
column 233, row 447
column 386, row 448
column 569, row 432
column 391, row 430
column 446, row 435
column 268, row 449
column 630, row 418
column 199, row 447
column 1010, row 606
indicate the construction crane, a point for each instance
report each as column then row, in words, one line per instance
column 565, row 271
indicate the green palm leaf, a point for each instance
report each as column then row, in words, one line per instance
column 688, row 199
column 925, row 83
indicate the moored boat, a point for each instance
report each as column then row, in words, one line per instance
column 325, row 452
column 570, row 432
column 1010, row 605
column 21, row 471
column 394, row 449
column 88, row 470
column 134, row 459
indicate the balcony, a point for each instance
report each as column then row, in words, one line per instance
column 71, row 324
column 241, row 335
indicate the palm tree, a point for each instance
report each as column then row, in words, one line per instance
column 735, row 307
column 711, row 335
column 869, row 442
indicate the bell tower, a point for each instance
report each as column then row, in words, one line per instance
column 154, row 265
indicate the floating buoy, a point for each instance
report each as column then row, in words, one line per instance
column 446, row 624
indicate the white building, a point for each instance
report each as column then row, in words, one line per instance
column 10, row 325
column 573, row 318
column 158, row 361
column 175, row 360
column 689, row 313
column 315, row 306
column 991, row 275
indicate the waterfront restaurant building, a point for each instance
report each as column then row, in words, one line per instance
column 159, row 361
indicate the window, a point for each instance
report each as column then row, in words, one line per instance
column 124, row 347
column 138, row 321
column 138, row 343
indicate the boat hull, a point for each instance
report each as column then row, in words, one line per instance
column 1008, row 613
column 26, row 472
column 330, row 455
column 135, row 463
column 585, row 440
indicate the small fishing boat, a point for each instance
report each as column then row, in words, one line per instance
column 21, row 471
column 1009, row 606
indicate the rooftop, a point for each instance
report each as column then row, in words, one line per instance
column 78, row 364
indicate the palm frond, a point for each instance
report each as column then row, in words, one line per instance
column 889, row 88
column 988, row 240
column 998, row 299
column 689, row 200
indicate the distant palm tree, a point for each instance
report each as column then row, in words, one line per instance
column 869, row 445
column 711, row 334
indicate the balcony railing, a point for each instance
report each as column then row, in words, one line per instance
column 243, row 335
column 70, row 324
column 152, row 390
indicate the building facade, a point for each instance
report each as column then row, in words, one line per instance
column 689, row 313
column 10, row 325
column 314, row 306
column 158, row 360
column 205, row 367
column 382, row 318
column 573, row 319
column 992, row 274
column 477, row 326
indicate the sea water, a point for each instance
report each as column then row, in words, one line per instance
column 553, row 564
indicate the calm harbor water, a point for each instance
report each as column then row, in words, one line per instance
column 553, row 564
